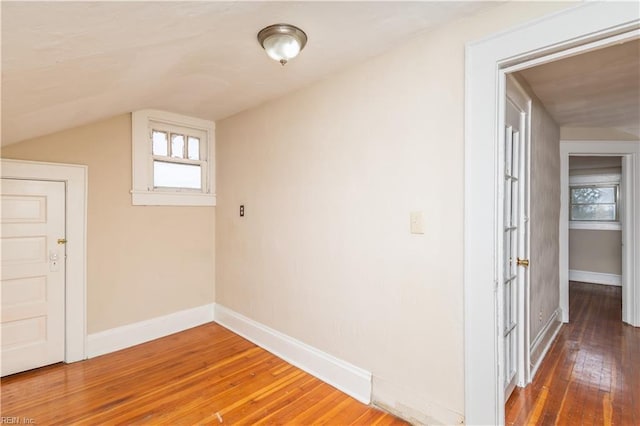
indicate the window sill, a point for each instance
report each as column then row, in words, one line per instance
column 596, row 226
column 148, row 198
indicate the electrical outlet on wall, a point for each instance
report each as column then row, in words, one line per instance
column 417, row 222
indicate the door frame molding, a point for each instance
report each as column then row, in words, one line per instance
column 75, row 178
column 586, row 26
column 630, row 185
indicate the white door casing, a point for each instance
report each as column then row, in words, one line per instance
column 75, row 178
column 33, row 274
column 585, row 26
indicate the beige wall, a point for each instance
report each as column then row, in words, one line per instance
column 544, row 278
column 329, row 175
column 545, row 219
column 595, row 251
column 143, row 261
column 590, row 165
column 595, row 133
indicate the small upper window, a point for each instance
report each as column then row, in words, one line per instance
column 173, row 159
column 179, row 158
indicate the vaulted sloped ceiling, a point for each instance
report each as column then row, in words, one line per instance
column 65, row 64
column 600, row 88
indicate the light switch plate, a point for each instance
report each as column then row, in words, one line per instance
column 417, row 222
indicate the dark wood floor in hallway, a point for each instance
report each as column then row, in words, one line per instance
column 206, row 375
column 591, row 375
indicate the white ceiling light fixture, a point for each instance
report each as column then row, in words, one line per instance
column 282, row 42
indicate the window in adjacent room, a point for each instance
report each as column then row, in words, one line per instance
column 594, row 202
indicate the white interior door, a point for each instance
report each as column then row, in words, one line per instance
column 33, row 274
column 515, row 246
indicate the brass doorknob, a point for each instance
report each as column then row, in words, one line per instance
column 523, row 262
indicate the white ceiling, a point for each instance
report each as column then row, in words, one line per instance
column 596, row 89
column 65, row 64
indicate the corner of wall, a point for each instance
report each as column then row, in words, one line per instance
column 543, row 341
column 411, row 405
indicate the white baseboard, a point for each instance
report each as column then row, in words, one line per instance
column 595, row 277
column 114, row 339
column 346, row 377
column 543, row 341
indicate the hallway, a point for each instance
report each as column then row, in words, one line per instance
column 591, row 375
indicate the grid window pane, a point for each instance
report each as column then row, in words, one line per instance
column 177, row 146
column 159, row 140
column 593, row 195
column 598, row 212
column 594, row 203
column 175, row 175
column 507, row 255
column 193, row 148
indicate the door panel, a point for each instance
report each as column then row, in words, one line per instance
column 25, row 250
column 33, row 271
column 513, row 227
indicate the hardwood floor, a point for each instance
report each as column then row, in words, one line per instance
column 206, row 375
column 591, row 375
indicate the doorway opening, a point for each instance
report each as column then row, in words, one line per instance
column 595, row 221
column 568, row 96
column 622, row 237
column 578, row 30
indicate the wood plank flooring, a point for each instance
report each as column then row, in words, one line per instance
column 591, row 375
column 206, row 375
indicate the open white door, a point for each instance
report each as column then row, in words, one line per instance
column 516, row 242
column 33, row 274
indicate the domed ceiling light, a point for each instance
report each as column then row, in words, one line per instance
column 282, row 42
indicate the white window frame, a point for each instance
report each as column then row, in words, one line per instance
column 143, row 192
column 601, row 179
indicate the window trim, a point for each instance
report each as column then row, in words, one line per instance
column 143, row 191
column 596, row 180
